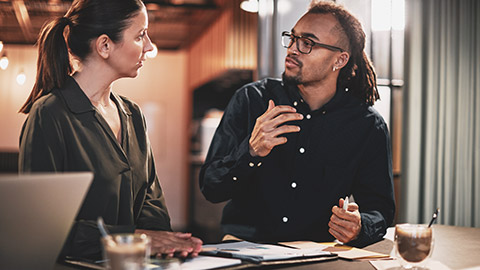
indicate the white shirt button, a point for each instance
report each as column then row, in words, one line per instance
column 285, row 219
column 294, row 185
column 251, row 164
column 235, row 178
column 295, row 103
column 259, row 164
column 308, row 116
column 301, row 150
column 346, row 89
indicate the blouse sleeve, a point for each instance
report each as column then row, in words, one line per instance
column 153, row 214
column 41, row 143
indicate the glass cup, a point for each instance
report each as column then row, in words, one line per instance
column 126, row 251
column 165, row 264
column 413, row 244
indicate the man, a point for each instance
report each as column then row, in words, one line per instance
column 286, row 152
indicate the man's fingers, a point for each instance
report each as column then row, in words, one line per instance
column 275, row 111
column 350, row 215
column 352, row 207
column 271, row 105
column 340, row 237
column 342, row 233
column 285, row 129
column 284, row 118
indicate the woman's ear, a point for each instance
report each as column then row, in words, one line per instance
column 103, row 46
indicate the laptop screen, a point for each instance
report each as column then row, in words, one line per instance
column 36, row 213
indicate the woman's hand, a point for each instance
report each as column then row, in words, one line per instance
column 165, row 243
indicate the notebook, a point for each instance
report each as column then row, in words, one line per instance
column 36, row 213
column 257, row 253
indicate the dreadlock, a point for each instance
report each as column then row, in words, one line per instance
column 358, row 75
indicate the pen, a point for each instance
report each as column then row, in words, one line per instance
column 345, row 203
column 345, row 207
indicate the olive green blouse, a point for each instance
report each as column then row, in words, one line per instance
column 65, row 132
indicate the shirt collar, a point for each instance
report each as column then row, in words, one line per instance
column 75, row 98
column 78, row 102
column 120, row 104
column 334, row 103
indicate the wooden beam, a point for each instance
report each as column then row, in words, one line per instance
column 23, row 19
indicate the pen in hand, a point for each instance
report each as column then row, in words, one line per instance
column 345, row 207
column 345, row 203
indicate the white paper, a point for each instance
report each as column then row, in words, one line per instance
column 261, row 252
column 208, row 262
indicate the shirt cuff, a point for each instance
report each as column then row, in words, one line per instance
column 246, row 164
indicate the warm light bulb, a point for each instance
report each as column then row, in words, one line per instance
column 21, row 78
column 152, row 53
column 250, row 6
column 4, row 62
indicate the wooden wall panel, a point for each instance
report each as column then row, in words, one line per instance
column 229, row 43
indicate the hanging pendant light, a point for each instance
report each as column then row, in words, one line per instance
column 21, row 77
column 4, row 61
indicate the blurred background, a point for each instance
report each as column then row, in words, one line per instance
column 426, row 55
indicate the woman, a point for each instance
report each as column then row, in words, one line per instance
column 77, row 123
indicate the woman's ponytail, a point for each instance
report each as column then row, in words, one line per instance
column 87, row 20
column 53, row 64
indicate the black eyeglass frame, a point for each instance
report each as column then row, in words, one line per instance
column 294, row 39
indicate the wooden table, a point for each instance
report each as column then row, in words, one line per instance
column 456, row 247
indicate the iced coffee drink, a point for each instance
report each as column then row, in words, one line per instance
column 413, row 242
column 126, row 251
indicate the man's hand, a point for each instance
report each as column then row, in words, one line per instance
column 345, row 225
column 269, row 126
column 173, row 243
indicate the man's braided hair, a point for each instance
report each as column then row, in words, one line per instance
column 358, row 75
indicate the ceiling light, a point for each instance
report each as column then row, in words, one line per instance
column 21, row 78
column 250, row 6
column 4, row 62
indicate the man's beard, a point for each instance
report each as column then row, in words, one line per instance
column 292, row 80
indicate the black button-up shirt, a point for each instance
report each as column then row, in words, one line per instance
column 65, row 132
column 342, row 148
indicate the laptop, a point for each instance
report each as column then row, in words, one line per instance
column 36, row 213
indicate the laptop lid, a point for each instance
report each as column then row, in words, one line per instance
column 36, row 213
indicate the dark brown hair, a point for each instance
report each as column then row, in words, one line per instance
column 86, row 20
column 358, row 75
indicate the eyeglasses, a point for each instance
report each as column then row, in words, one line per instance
column 304, row 44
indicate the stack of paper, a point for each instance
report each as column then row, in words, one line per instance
column 207, row 262
column 261, row 252
column 343, row 251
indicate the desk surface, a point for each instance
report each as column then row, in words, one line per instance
column 454, row 247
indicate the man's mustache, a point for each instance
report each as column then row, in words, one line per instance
column 294, row 59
